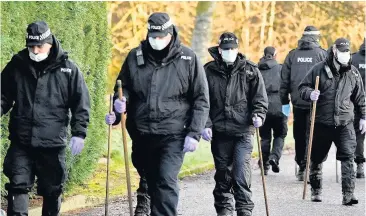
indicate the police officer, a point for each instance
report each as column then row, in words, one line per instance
column 138, row 158
column 238, row 100
column 166, row 96
column 41, row 84
column 276, row 120
column 295, row 67
column 358, row 60
column 340, row 92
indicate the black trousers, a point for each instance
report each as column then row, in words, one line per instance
column 138, row 157
column 22, row 164
column 360, row 138
column 344, row 139
column 277, row 124
column 301, row 135
column 163, row 159
column 232, row 157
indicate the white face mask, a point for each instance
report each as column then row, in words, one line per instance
column 343, row 57
column 158, row 44
column 37, row 57
column 229, row 56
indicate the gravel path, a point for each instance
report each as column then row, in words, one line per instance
column 283, row 191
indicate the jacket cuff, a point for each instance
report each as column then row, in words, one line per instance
column 194, row 136
column 80, row 135
column 307, row 95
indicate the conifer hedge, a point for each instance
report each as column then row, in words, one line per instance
column 82, row 29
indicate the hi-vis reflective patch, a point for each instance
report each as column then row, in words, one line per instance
column 355, row 73
column 189, row 58
column 362, row 66
column 303, row 59
column 39, row 37
column 66, row 70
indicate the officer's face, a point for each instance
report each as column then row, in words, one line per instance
column 39, row 49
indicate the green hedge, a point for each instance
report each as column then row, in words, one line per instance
column 82, row 28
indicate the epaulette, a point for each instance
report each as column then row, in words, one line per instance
column 139, row 56
column 252, row 63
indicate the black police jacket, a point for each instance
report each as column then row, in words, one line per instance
column 294, row 69
column 340, row 92
column 167, row 97
column 41, row 100
column 236, row 94
column 271, row 73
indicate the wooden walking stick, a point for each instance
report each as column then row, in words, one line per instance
column 109, row 156
column 310, row 140
column 124, row 139
column 262, row 168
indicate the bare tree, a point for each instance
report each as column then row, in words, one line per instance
column 202, row 28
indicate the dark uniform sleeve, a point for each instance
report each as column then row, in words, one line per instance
column 286, row 80
column 124, row 76
column 258, row 94
column 307, row 85
column 358, row 97
column 79, row 105
column 200, row 99
column 7, row 99
column 208, row 123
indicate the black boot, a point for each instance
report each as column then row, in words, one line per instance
column 51, row 206
column 300, row 173
column 143, row 205
column 348, row 183
column 316, row 182
column 274, row 163
column 18, row 204
column 360, row 171
column 244, row 213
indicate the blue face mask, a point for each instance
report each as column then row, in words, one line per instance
column 229, row 56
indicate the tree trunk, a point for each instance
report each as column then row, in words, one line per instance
column 247, row 28
column 202, row 29
column 263, row 26
column 271, row 21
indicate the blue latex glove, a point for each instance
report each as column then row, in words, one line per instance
column 257, row 121
column 110, row 118
column 314, row 95
column 120, row 105
column 286, row 109
column 207, row 134
column 190, row 144
column 76, row 145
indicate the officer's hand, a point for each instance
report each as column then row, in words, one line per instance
column 314, row 95
column 257, row 121
column 120, row 105
column 286, row 109
column 362, row 126
column 76, row 145
column 190, row 144
column 110, row 118
column 207, row 134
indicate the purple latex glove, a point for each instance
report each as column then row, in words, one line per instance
column 190, row 144
column 207, row 134
column 110, row 118
column 76, row 145
column 362, row 126
column 257, row 121
column 314, row 95
column 120, row 105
